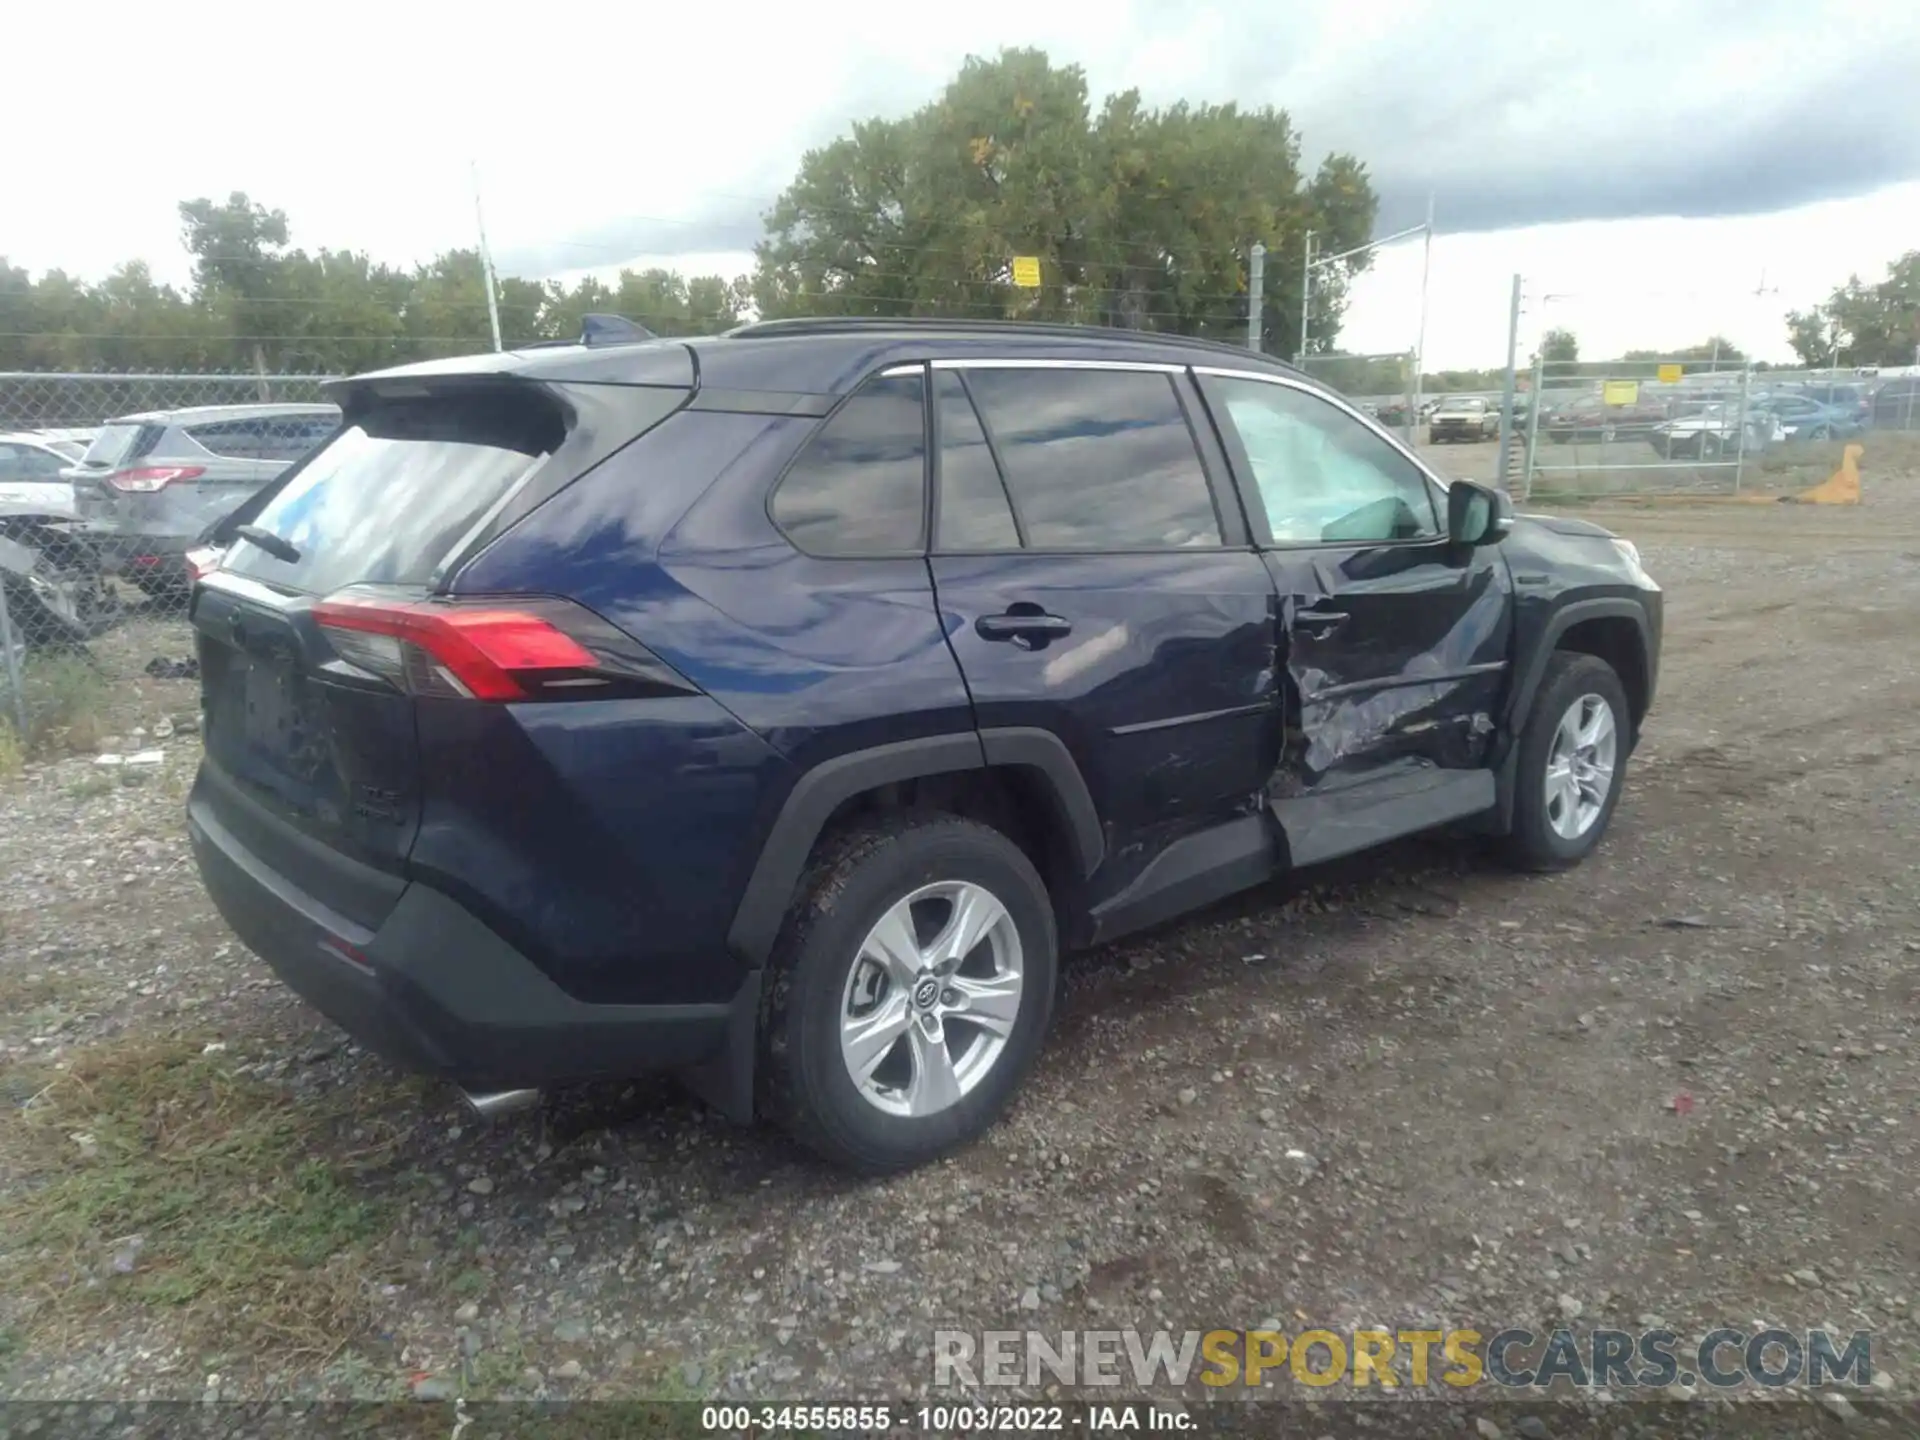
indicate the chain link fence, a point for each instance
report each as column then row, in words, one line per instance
column 106, row 483
column 1380, row 385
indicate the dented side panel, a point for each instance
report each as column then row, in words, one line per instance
column 1397, row 655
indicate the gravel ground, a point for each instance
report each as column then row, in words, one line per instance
column 1678, row 1084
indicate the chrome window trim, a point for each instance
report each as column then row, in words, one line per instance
column 981, row 362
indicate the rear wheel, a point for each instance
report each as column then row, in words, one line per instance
column 1573, row 758
column 909, row 992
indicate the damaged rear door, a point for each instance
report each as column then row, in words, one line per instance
column 1396, row 643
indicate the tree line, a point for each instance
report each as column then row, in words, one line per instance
column 1137, row 216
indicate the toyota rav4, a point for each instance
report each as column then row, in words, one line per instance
column 774, row 708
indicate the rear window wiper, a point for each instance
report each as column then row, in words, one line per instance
column 268, row 541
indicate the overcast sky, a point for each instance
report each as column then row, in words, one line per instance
column 1650, row 165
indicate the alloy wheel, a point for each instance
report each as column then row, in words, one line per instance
column 931, row 999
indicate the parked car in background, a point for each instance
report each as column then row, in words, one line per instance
column 1463, row 419
column 1393, row 413
column 1590, row 418
column 150, row 484
column 52, row 576
column 1896, row 403
column 1713, row 432
column 1851, row 402
column 1804, row 418
column 775, row 707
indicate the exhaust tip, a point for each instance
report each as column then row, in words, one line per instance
column 492, row 1104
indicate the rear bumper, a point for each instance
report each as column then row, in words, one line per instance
column 435, row 990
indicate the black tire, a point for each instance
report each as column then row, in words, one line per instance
column 853, row 879
column 1533, row 843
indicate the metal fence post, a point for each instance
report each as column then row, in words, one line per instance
column 1740, row 442
column 1534, row 407
column 14, row 687
column 1412, row 397
column 1306, row 292
column 1256, row 294
column 1506, row 400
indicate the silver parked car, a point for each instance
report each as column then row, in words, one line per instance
column 150, row 484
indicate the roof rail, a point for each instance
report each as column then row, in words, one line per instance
column 857, row 324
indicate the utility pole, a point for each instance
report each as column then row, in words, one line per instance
column 1256, row 294
column 486, row 262
column 1306, row 292
column 1506, row 403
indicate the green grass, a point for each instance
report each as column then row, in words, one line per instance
column 68, row 699
column 255, row 1232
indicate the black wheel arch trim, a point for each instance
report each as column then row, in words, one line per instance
column 821, row 791
column 1528, row 674
column 1563, row 619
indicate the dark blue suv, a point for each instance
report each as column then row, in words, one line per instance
column 773, row 708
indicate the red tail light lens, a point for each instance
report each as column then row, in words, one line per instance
column 149, row 478
column 512, row 648
column 455, row 650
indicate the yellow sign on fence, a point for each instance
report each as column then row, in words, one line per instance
column 1670, row 374
column 1620, row 392
column 1026, row 271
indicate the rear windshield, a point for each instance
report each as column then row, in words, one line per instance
column 116, row 443
column 388, row 500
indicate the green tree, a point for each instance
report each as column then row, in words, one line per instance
column 1559, row 347
column 1861, row 324
column 1138, row 217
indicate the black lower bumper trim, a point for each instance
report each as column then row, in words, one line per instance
column 434, row 989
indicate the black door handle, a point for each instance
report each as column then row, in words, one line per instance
column 1318, row 619
column 1018, row 626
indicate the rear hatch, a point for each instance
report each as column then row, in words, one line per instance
column 115, row 451
column 323, row 626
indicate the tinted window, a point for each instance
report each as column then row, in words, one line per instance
column 1097, row 459
column 1323, row 476
column 234, row 439
column 859, row 487
column 974, row 511
column 27, row 462
column 117, row 444
column 389, row 499
column 290, row 440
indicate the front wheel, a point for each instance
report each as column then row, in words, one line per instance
column 909, row 992
column 1573, row 758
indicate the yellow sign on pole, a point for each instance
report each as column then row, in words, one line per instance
column 1620, row 392
column 1026, row 271
column 1670, row 374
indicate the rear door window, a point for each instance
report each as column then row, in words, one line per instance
column 1097, row 459
column 860, row 485
column 392, row 496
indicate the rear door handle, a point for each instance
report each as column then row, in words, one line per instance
column 1016, row 626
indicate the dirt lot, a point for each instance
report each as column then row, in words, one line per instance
column 1679, row 1083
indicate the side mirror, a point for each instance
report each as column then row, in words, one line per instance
column 1477, row 514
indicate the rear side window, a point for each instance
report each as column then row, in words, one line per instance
column 860, row 487
column 395, row 492
column 233, row 439
column 1097, row 459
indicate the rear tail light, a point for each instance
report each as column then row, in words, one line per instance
column 499, row 650
column 148, row 478
column 203, row 560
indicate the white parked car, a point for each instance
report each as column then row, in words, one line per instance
column 53, row 589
